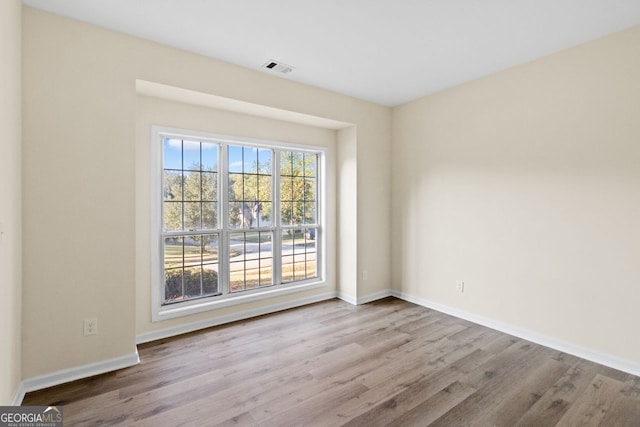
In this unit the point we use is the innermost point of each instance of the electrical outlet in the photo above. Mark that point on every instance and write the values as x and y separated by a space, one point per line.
460 286
364 275
90 326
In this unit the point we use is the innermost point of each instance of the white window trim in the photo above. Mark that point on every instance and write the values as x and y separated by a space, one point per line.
161 312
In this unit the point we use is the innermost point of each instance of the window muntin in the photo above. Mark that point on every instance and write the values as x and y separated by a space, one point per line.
268 234
251 260
299 254
298 187
190 185
298 208
250 187
190 205
190 267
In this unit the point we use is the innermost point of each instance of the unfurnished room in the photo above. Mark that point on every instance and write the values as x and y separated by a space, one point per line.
320 213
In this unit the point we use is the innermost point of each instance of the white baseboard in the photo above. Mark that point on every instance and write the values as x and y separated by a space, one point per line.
242 315
363 300
76 373
547 341
347 298
19 397
374 297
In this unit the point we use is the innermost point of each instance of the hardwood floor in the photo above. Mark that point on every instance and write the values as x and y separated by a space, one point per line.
389 362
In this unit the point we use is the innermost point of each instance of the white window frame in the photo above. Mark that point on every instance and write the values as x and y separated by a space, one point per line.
161 312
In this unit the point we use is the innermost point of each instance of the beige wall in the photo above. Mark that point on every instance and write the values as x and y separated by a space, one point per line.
80 178
78 196
10 199
153 111
373 205
348 213
526 186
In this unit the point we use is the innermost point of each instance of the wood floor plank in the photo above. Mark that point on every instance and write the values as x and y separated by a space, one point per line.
334 373
624 412
126 410
234 396
388 362
422 386
512 403
311 412
407 357
436 406
492 380
386 383
592 405
556 401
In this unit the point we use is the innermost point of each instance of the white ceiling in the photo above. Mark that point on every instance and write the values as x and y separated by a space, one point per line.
385 51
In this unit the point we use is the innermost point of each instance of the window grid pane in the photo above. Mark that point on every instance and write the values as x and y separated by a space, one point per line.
191 267
298 188
251 256
299 253
249 182
189 185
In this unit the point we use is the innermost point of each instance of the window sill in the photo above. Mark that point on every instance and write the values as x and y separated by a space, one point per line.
198 306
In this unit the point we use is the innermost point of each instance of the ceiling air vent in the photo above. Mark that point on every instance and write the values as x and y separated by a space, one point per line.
278 66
